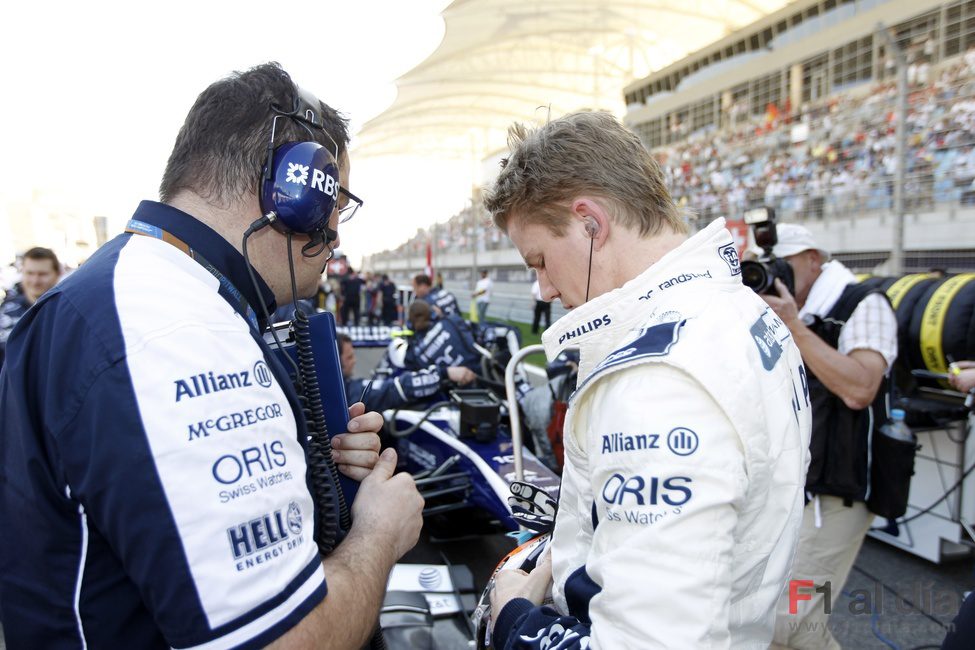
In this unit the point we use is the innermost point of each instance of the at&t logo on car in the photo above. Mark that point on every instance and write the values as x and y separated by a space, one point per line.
637 490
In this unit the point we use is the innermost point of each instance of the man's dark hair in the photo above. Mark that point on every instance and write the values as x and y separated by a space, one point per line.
343 339
222 146
39 253
419 314
385 277
422 278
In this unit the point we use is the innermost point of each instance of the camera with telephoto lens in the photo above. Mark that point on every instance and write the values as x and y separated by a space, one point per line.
759 275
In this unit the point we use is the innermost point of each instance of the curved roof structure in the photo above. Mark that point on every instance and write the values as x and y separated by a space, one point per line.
502 61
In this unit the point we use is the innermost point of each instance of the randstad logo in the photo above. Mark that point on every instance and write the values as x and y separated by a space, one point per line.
682 278
591 326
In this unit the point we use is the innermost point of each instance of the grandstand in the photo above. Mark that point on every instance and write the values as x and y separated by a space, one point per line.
795 111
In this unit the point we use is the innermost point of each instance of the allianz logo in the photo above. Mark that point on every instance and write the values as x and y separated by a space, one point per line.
206 383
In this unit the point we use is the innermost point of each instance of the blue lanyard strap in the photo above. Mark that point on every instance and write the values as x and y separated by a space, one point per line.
227 288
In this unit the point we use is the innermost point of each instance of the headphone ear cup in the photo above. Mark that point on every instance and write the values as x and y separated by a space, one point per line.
302 187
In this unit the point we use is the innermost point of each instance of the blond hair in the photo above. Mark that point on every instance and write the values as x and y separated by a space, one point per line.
582 154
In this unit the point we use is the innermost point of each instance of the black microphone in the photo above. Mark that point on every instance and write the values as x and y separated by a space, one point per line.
330 235
319 241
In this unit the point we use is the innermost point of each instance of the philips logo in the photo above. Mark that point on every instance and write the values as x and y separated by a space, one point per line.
638 491
266 537
585 329
682 441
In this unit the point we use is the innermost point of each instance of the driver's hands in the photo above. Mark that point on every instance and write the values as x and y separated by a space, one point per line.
460 375
356 453
515 583
388 508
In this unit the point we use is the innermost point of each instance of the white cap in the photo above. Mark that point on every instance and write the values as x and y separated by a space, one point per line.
794 239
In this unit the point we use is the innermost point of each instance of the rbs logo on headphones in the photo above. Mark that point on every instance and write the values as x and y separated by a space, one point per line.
302 173
298 174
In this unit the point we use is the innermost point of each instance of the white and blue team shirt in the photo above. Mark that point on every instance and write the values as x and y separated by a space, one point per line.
443 300
153 487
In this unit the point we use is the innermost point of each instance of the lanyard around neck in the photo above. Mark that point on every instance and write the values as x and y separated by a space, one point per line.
227 288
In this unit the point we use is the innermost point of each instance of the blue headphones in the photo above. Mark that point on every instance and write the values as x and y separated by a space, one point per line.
300 183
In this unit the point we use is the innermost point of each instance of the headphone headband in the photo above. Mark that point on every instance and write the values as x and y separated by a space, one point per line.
300 183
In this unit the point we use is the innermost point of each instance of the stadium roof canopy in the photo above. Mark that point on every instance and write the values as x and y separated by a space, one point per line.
502 61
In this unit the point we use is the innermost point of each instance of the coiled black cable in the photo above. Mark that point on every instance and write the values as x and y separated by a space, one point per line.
328 496
329 499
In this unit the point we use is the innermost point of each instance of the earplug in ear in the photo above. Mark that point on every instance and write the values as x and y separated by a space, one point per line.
592 227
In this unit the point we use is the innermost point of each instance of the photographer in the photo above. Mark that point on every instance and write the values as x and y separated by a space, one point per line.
686 442
848 340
